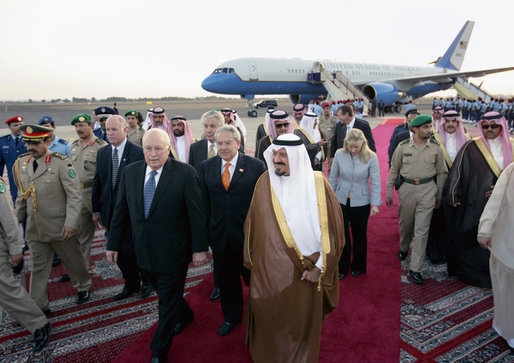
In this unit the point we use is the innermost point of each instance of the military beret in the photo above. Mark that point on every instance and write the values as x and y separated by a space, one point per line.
82 117
421 120
45 120
14 119
104 112
411 111
35 133
131 113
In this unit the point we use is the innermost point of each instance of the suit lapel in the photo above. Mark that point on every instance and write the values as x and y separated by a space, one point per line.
139 184
204 153
123 163
239 169
41 167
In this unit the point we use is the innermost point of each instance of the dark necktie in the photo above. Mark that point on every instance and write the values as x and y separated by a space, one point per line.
16 140
115 166
148 192
34 165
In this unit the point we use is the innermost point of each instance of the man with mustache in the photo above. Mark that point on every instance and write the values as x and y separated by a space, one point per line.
470 182
49 196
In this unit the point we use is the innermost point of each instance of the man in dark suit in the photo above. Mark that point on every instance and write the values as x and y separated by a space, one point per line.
203 150
163 200
402 131
347 121
227 182
206 148
110 162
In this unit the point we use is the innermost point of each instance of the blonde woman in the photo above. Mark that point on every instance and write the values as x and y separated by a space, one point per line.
353 167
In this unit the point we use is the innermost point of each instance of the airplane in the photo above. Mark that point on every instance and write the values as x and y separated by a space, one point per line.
392 84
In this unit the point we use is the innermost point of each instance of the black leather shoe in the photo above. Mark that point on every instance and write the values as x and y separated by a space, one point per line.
215 294
341 276
83 296
146 290
123 294
416 277
402 255
182 325
56 261
355 273
64 278
225 328
41 338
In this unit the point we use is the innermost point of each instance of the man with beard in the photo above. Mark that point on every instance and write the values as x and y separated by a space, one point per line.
415 163
472 177
293 240
278 124
158 120
437 114
181 138
401 132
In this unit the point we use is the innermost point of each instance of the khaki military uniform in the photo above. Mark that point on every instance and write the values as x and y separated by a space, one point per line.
83 159
327 127
136 136
418 193
13 296
50 198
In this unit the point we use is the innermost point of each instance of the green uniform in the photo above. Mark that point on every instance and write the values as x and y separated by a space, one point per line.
418 193
50 198
136 136
83 158
13 296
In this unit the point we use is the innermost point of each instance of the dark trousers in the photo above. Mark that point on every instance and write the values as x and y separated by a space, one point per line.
172 308
229 268
357 219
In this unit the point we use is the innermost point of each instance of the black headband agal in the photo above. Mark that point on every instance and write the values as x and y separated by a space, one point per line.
296 142
492 117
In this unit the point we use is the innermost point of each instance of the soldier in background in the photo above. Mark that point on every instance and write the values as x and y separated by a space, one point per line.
135 132
83 158
50 199
11 146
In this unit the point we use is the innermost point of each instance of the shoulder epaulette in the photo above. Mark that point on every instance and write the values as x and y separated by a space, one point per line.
434 141
59 155
62 141
406 141
24 154
100 141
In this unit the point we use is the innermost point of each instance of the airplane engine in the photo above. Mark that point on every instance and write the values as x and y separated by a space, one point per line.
382 91
305 98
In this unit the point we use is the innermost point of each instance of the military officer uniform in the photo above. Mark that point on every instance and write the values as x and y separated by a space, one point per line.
83 158
49 195
10 148
136 136
416 167
13 296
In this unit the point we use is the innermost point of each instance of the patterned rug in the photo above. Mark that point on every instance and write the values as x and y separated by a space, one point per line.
446 320
96 331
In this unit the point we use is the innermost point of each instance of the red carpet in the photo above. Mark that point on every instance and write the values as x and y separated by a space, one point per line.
364 327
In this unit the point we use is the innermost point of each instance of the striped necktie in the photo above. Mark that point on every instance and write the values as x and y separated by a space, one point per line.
210 154
148 192
115 166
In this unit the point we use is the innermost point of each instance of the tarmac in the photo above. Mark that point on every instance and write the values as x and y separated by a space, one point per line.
192 110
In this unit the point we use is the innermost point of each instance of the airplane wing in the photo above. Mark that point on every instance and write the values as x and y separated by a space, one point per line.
446 76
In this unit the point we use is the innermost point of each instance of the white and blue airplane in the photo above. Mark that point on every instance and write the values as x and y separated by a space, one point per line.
390 83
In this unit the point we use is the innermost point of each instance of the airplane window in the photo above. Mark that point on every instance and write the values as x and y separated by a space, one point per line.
225 70
231 70
217 71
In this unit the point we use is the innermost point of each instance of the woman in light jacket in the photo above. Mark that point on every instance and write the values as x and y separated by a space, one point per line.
353 166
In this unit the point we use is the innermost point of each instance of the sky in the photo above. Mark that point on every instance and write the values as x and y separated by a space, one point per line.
63 49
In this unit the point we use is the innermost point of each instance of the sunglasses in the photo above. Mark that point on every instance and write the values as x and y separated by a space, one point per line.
278 126
492 126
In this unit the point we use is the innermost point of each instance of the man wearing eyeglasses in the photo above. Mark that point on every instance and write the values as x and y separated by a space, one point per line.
163 200
471 180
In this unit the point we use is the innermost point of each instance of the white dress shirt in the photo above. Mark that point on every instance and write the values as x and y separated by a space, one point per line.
497 150
451 145
181 148
156 177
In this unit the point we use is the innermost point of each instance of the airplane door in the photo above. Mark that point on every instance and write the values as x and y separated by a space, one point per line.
253 71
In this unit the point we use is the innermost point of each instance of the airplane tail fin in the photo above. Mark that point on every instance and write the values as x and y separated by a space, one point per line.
454 56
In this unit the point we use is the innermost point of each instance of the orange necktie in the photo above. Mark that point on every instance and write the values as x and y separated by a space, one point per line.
225 177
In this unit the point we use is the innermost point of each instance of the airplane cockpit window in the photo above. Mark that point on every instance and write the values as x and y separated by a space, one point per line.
223 70
231 70
218 70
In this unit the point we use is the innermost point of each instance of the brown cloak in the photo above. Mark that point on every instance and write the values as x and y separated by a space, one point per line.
284 314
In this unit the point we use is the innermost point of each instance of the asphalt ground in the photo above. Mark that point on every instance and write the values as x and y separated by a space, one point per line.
192 110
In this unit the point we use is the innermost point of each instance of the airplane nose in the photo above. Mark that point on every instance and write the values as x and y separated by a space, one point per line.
208 84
